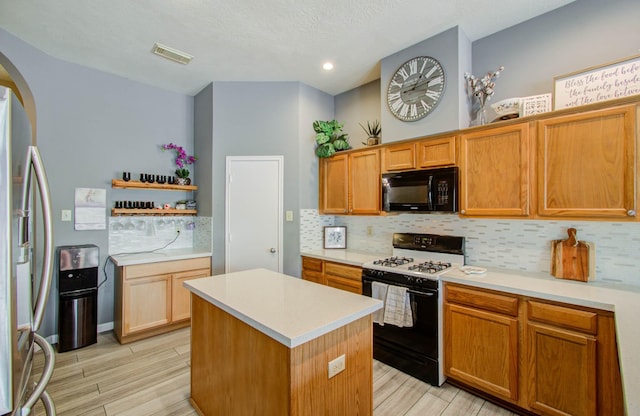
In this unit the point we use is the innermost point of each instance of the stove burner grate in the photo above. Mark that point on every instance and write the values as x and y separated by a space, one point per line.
430 267
394 261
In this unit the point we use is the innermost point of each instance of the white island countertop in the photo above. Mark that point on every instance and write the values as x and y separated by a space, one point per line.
129 259
623 300
290 310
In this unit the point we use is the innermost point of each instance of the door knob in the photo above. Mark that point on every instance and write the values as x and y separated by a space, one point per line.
273 250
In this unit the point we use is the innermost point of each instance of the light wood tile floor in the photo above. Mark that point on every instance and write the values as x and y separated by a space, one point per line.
151 377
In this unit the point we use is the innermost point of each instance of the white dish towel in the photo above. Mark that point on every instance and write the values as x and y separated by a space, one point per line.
397 307
379 291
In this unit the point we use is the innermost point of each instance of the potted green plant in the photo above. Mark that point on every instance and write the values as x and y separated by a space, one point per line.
373 131
329 138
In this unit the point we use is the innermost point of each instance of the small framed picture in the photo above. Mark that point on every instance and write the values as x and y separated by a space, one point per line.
335 237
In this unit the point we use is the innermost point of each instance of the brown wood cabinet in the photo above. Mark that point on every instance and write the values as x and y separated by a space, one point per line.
350 183
587 164
495 172
313 270
562 362
338 275
546 357
150 298
481 339
399 157
437 152
334 184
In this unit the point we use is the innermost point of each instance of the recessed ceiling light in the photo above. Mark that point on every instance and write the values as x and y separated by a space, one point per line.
171 54
327 66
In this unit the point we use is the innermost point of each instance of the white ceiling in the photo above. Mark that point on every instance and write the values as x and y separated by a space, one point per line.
250 40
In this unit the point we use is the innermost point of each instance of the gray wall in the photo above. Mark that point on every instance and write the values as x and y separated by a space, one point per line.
314 105
358 106
445 117
91 126
256 118
574 37
203 145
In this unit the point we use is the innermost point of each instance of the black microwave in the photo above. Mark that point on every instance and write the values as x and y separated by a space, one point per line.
430 190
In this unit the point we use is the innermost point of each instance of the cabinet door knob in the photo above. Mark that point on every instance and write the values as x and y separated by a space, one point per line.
273 250
463 212
631 213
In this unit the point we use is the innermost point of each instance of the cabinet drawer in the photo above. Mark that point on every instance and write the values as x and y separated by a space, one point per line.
311 276
152 269
342 270
570 318
344 284
311 264
489 301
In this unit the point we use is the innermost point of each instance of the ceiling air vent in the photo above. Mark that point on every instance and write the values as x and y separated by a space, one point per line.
172 54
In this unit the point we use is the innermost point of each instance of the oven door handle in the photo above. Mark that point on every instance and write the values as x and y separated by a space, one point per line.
421 293
365 280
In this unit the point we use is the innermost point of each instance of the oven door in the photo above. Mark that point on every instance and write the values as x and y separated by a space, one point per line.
413 350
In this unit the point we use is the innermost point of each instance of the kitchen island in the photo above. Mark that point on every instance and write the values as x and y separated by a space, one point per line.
266 343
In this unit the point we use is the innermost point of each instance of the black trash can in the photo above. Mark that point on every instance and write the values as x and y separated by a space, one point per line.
78 292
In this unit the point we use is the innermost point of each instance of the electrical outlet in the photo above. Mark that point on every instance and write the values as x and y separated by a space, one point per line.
289 216
369 230
65 215
336 366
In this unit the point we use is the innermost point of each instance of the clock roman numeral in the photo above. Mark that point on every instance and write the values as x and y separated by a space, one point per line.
436 81
395 106
403 73
414 110
394 83
431 71
405 110
413 67
425 105
394 96
432 94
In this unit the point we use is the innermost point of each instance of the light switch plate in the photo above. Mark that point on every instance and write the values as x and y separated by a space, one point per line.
336 366
289 216
65 215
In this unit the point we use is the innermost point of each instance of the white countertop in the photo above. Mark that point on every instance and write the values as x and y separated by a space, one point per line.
125 259
354 258
623 300
290 310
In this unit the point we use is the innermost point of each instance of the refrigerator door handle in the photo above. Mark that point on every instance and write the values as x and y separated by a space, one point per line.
39 390
47 266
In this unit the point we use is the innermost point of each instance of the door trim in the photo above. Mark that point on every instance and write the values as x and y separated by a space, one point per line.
229 160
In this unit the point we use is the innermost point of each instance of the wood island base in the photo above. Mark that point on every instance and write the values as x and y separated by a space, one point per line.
238 370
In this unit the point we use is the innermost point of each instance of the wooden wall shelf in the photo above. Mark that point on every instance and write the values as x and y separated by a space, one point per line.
117 183
115 212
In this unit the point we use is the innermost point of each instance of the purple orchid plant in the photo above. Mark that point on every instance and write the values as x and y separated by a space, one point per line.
182 159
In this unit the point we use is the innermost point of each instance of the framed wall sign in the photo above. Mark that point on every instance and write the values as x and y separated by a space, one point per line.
600 83
335 237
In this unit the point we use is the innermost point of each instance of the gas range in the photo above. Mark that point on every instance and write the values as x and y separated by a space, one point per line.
425 256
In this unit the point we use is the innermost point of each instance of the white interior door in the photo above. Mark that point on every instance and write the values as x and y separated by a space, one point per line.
253 215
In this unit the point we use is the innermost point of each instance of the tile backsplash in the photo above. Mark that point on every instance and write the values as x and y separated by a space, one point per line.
510 244
133 234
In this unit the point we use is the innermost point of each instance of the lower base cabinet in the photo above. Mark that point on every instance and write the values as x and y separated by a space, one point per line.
338 275
545 357
150 298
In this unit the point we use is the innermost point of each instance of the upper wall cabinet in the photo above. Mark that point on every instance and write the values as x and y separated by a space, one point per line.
587 164
399 157
364 182
437 152
494 172
350 183
334 184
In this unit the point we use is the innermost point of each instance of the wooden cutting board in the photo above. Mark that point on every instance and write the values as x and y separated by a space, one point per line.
573 259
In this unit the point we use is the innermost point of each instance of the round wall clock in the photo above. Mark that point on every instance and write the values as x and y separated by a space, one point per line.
415 88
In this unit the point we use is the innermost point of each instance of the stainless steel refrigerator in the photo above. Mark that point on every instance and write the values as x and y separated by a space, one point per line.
23 291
